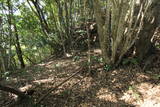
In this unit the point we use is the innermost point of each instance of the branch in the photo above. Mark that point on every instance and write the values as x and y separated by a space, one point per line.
12 90
53 89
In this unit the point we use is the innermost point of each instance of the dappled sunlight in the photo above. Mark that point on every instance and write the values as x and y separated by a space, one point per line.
141 77
149 103
26 87
86 84
131 96
118 86
150 93
105 94
44 80
143 95
122 86
127 97
79 53
42 64
97 51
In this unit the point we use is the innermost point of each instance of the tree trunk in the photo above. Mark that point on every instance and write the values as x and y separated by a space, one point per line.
18 48
10 33
102 31
17 43
2 62
144 45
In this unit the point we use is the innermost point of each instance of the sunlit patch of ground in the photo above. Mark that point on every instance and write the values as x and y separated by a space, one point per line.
105 94
150 94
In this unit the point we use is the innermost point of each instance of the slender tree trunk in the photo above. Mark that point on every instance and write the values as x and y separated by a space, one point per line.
62 25
10 32
71 23
41 17
18 48
1 51
17 43
2 59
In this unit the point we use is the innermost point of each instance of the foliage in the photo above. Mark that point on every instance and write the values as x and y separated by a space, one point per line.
43 29
127 61
32 30
107 67
76 58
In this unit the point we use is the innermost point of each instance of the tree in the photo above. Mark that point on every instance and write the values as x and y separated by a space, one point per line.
2 62
17 43
144 44
120 26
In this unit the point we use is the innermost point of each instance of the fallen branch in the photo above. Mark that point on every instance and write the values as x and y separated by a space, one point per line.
53 89
12 90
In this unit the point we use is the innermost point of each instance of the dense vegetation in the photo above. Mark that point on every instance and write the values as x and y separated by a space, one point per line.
35 31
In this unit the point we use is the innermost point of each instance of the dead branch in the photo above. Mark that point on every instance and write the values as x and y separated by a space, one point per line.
53 89
12 90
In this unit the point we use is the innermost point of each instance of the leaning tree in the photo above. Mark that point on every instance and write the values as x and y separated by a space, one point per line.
124 24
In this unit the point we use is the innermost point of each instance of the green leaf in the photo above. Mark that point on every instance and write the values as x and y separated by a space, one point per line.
107 67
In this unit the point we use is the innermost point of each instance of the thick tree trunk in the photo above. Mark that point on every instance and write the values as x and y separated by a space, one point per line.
151 22
102 24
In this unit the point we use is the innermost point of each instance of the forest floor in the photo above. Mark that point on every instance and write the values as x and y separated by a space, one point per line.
126 86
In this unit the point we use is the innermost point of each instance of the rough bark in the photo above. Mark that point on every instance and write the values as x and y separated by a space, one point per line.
152 20
121 27
102 31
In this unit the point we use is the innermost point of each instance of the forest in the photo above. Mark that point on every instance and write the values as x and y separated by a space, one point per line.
79 53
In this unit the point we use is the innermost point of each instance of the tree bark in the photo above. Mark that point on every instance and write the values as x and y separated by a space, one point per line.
102 31
144 45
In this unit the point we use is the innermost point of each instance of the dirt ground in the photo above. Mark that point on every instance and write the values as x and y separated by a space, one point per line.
126 86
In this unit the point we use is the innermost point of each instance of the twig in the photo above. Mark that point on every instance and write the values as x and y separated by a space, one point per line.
53 89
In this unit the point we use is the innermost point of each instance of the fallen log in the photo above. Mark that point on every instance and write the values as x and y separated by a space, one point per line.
13 91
